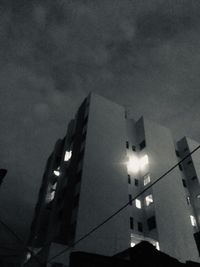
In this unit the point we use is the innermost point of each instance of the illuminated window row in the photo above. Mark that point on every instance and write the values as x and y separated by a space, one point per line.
148 200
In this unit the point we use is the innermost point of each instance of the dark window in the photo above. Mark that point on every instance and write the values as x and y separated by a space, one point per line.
180 167
136 182
127 144
129 179
130 199
85 120
131 223
177 153
140 227
185 149
133 148
142 145
189 162
194 178
197 240
151 222
184 183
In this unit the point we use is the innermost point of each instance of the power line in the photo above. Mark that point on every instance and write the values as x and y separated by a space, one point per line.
123 207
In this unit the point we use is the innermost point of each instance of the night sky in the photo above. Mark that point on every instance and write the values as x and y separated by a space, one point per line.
144 54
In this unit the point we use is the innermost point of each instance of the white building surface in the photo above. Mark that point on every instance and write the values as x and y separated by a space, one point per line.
105 160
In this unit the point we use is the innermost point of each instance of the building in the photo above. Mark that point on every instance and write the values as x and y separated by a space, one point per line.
106 159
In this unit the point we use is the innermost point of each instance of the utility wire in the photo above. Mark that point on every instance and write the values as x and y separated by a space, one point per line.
123 207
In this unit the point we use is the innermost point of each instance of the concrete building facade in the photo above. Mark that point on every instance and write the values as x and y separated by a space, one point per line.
104 161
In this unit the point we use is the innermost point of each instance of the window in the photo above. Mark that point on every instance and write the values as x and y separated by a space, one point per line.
129 179
198 196
138 204
132 244
142 144
193 220
180 167
133 148
151 223
188 200
136 182
68 155
148 200
140 227
130 199
127 144
177 153
189 162
131 223
184 183
147 179
56 173
194 178
185 149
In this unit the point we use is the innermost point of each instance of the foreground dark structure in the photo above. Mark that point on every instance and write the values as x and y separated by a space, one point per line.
139 256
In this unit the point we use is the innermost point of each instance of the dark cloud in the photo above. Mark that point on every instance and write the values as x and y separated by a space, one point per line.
142 54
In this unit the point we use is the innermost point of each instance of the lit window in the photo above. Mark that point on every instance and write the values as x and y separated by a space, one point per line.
198 196
138 204
157 245
149 200
132 244
56 172
193 220
133 165
144 161
52 195
28 256
68 155
147 179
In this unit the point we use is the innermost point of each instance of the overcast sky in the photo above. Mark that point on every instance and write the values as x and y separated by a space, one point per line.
143 54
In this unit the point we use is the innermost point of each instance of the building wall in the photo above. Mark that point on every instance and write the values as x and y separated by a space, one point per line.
172 214
104 185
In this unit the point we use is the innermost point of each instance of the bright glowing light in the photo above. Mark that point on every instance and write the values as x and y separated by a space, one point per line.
68 155
133 165
132 244
147 179
143 162
148 200
56 172
193 220
138 204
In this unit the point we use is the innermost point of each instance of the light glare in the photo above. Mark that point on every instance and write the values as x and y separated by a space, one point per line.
134 164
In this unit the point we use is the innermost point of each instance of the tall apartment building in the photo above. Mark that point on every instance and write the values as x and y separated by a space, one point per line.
105 159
